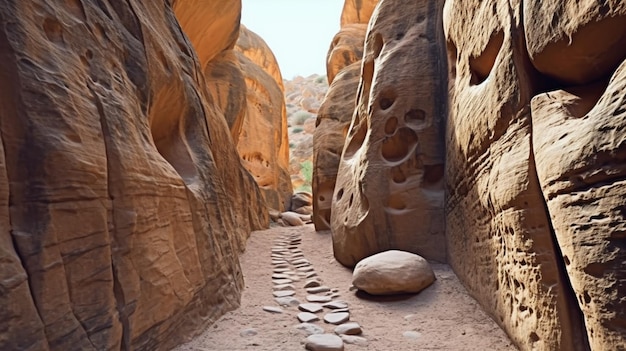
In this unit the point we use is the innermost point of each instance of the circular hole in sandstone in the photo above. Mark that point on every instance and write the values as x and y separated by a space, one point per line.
322 198
385 103
356 140
397 147
391 125
415 117
481 65
397 175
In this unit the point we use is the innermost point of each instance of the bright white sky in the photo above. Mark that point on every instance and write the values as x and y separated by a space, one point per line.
299 32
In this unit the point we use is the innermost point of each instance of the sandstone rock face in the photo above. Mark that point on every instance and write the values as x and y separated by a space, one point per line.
579 142
128 202
392 272
345 49
263 142
332 123
389 190
357 11
499 236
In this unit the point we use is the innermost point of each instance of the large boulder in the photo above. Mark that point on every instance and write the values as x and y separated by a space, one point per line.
128 204
332 123
389 191
357 11
392 272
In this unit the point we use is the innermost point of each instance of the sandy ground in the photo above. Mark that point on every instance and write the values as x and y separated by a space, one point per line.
442 317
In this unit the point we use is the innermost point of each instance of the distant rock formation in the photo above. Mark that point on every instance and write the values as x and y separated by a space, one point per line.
123 203
263 142
357 11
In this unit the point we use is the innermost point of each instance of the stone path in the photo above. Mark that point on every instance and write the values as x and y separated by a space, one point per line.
291 270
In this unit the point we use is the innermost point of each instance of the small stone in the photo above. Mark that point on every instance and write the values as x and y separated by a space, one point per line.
280 276
305 269
339 310
309 329
318 298
334 290
412 334
281 281
311 275
335 295
324 342
282 270
307 317
312 283
310 307
354 340
284 293
248 332
292 218
272 309
301 261
284 287
351 328
279 262
337 318
336 305
317 289
287 301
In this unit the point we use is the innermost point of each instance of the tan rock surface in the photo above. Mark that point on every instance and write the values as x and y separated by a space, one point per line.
389 191
127 196
498 232
256 49
579 139
357 11
345 49
332 123
263 144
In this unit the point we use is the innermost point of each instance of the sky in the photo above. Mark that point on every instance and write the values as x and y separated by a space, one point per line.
299 32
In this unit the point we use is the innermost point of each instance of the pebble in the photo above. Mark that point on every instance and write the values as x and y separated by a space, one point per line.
248 332
339 310
309 329
280 276
279 262
324 342
335 295
287 301
272 309
317 289
354 340
336 305
301 261
281 281
282 270
351 328
312 283
284 287
318 298
411 334
306 317
283 293
310 307
305 269
337 318
311 275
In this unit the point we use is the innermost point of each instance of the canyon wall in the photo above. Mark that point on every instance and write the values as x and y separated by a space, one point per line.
124 204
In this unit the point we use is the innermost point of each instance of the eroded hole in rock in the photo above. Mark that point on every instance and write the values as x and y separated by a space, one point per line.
377 45
399 146
351 200
391 125
339 194
415 118
53 30
396 202
397 175
433 173
385 103
481 65
356 141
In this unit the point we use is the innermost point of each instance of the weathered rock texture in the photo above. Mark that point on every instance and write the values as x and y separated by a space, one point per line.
357 11
345 49
123 204
579 144
506 160
332 123
389 191
263 142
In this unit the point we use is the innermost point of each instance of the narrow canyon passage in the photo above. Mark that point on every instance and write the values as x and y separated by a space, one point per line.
442 317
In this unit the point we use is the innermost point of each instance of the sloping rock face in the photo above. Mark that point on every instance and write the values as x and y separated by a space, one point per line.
357 11
331 127
263 142
345 49
579 142
389 191
123 204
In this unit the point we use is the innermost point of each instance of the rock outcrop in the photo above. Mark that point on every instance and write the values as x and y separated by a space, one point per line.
263 143
345 49
389 191
332 123
123 203
357 11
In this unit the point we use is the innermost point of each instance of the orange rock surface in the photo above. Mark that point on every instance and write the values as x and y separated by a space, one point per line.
123 205
345 49
357 11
